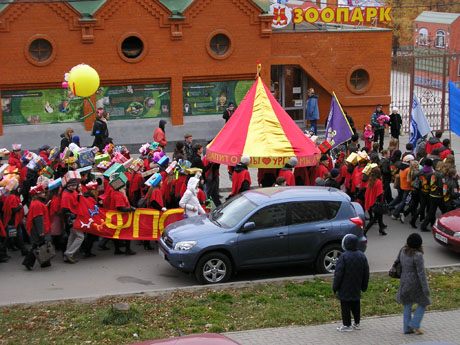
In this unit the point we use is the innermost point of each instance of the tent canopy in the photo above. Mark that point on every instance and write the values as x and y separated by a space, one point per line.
261 129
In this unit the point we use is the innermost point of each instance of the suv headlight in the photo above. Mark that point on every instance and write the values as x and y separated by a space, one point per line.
184 245
457 234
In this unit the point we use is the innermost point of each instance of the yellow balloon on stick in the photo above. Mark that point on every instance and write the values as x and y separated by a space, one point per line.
83 80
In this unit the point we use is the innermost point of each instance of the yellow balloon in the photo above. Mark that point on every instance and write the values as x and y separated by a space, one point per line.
83 80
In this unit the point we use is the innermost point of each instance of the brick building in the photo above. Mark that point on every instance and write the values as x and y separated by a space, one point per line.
437 33
183 61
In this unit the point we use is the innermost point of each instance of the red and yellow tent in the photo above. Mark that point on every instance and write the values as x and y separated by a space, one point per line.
262 130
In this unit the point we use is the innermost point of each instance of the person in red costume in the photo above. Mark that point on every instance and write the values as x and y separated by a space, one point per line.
15 156
357 176
322 166
119 202
241 179
135 182
69 206
44 153
286 171
13 215
38 224
91 196
154 198
374 193
434 142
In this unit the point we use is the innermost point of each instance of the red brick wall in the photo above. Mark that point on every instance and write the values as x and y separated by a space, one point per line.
453 39
326 57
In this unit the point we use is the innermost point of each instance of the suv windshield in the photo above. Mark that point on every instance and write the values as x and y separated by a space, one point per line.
232 211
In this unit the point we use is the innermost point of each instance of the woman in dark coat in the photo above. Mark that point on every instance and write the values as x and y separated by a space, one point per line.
413 287
100 130
66 139
395 123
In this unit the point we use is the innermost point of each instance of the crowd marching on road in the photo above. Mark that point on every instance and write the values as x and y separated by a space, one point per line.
40 192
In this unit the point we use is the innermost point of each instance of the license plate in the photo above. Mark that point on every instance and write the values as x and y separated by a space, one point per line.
162 255
440 237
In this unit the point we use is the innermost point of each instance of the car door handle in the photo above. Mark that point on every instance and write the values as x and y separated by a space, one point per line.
281 234
323 230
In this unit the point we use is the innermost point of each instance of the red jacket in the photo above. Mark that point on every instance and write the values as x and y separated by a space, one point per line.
44 155
69 200
160 137
372 194
320 171
15 160
288 175
38 208
12 201
118 199
238 178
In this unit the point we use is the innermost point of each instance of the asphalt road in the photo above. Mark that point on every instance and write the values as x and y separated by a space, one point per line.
107 274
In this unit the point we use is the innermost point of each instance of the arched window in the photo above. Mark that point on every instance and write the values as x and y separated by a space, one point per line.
423 37
440 39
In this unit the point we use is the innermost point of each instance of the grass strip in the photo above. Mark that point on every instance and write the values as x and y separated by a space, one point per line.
208 310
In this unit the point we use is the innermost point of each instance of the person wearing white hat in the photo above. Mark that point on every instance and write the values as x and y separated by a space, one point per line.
395 123
286 171
241 179
15 156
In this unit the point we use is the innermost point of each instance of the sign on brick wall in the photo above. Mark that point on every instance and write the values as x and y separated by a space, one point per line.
284 15
134 101
39 106
207 98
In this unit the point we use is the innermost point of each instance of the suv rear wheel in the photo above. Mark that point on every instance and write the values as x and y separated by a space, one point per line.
327 258
213 268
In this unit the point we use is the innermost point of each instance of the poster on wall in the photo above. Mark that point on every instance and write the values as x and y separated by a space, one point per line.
134 101
210 98
39 106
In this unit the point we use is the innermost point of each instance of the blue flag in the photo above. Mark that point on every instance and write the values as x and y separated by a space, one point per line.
419 125
454 108
338 129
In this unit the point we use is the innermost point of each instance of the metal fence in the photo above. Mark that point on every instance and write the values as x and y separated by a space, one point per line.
425 73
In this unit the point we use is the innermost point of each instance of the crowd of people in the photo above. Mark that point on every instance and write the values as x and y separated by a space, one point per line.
40 192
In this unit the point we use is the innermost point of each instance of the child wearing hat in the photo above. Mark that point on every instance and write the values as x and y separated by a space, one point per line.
287 173
119 202
15 156
351 276
69 207
37 225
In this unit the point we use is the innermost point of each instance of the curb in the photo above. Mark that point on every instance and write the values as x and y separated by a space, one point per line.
222 286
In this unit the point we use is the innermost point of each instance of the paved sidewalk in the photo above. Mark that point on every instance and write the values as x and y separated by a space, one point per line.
439 327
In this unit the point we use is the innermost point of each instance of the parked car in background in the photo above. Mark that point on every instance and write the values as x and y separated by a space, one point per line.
262 228
446 230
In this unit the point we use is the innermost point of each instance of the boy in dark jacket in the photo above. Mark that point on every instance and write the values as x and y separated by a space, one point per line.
351 276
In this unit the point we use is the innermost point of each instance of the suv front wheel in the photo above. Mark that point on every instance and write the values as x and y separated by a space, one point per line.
327 258
213 268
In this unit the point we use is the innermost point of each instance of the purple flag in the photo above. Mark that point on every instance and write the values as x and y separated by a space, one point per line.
338 129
